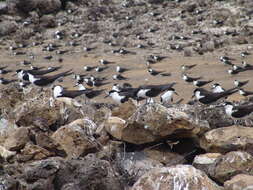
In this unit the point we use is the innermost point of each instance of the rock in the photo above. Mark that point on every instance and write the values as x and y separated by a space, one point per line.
164 156
39 115
8 183
33 152
43 6
76 138
47 21
17 140
6 154
7 27
231 164
3 8
154 122
175 177
227 139
6 128
136 164
239 182
49 144
87 173
205 161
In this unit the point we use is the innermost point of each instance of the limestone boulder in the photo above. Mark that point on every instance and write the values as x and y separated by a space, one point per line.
227 139
239 182
175 177
153 122
231 164
76 138
17 140
205 161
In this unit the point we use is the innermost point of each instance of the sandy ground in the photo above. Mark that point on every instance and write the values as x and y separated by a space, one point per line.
208 66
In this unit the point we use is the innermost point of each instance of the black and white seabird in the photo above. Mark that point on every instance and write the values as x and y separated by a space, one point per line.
87 68
244 54
188 79
119 97
118 77
187 67
238 83
120 69
154 72
167 97
41 80
232 71
103 62
150 91
245 65
207 97
238 112
245 93
216 88
200 83
3 71
59 91
5 81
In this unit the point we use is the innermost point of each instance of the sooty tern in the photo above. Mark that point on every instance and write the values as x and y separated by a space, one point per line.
245 65
187 67
150 91
216 88
59 91
188 79
200 83
207 97
167 97
120 69
118 77
238 112
238 83
41 80
245 93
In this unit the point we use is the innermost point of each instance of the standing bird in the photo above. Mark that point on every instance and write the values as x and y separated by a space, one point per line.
167 97
245 93
216 88
200 83
187 67
238 83
188 79
150 91
207 97
238 112
59 91
46 80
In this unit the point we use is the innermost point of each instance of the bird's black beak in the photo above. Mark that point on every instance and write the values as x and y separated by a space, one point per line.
176 93
193 96
14 74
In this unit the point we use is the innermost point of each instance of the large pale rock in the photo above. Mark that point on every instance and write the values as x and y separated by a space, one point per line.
76 138
6 128
17 140
177 177
231 164
205 161
154 122
239 182
6 154
228 139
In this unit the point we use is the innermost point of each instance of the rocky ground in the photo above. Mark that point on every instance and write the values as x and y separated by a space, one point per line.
67 143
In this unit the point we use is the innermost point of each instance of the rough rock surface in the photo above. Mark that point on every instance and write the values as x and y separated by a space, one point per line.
205 161
153 122
17 140
239 182
175 177
228 139
231 164
76 138
43 6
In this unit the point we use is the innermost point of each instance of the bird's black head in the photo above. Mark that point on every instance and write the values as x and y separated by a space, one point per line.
18 71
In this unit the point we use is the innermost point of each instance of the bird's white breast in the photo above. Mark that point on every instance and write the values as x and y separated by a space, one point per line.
167 96
142 93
